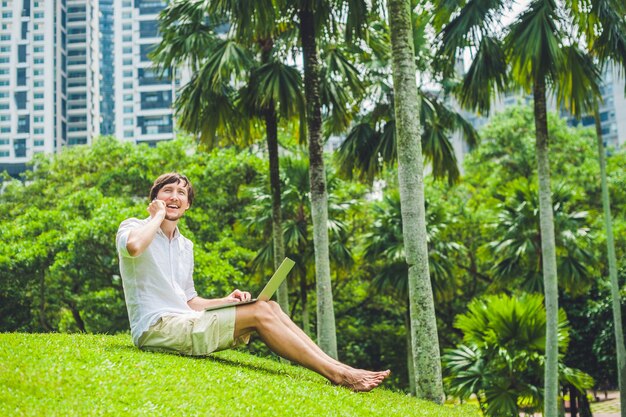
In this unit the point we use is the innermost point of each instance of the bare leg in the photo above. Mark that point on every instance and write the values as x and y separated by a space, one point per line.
302 335
288 343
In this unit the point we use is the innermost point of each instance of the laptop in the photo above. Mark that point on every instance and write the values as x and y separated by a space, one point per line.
269 289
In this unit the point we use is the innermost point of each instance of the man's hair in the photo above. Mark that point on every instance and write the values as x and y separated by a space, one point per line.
171 178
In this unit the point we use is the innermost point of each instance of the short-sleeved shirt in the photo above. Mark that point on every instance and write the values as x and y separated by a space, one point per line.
159 281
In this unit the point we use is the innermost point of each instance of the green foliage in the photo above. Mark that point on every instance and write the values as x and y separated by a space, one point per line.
74 375
501 359
58 263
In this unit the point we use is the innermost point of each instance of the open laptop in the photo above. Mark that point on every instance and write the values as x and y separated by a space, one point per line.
269 289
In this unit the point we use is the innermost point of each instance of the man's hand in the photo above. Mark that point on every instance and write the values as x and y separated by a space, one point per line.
157 209
238 296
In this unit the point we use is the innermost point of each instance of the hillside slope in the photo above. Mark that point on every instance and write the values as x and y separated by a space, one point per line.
84 375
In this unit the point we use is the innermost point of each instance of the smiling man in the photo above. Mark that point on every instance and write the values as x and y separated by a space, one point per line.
166 313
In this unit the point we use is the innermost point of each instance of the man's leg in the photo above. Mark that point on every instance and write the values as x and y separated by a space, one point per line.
284 341
301 334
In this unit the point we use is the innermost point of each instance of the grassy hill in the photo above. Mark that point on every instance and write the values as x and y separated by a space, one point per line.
83 375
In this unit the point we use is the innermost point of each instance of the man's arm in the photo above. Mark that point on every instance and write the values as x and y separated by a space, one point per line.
199 303
140 238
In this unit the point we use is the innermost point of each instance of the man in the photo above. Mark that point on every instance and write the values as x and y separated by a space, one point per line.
166 313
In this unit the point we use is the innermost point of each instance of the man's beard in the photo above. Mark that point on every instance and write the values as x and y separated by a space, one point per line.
173 218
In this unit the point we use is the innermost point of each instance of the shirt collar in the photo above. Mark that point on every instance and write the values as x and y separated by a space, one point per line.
160 232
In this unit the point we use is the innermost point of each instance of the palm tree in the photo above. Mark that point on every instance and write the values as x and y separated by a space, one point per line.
609 47
426 355
231 87
537 54
500 359
385 242
373 140
314 18
517 250
297 226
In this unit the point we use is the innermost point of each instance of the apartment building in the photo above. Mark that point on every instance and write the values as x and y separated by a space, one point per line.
143 99
32 79
71 70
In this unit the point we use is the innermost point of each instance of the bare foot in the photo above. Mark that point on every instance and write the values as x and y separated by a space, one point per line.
362 381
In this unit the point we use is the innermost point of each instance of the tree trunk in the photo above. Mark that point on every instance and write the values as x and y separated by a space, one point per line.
304 300
573 398
326 332
546 221
425 346
615 290
271 127
409 352
42 302
77 318
585 408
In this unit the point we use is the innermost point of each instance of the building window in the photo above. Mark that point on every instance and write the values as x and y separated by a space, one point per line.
155 124
20 100
149 29
149 76
39 143
21 53
19 147
144 50
156 100
23 124
21 76
128 133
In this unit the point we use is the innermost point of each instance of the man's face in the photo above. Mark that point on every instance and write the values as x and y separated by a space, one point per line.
176 198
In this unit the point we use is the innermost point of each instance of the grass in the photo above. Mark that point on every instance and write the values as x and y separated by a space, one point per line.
84 375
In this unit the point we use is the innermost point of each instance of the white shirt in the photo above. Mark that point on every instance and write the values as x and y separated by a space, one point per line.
157 282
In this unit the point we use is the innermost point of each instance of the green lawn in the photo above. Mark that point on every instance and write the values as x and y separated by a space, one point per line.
81 375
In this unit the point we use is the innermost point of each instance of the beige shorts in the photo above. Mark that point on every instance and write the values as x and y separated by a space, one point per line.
190 334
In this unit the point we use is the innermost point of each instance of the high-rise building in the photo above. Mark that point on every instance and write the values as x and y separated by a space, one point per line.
83 71
143 99
71 70
107 83
612 109
32 80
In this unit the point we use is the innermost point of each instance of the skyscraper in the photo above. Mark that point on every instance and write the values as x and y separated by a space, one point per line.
32 80
143 100
83 71
71 70
107 70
